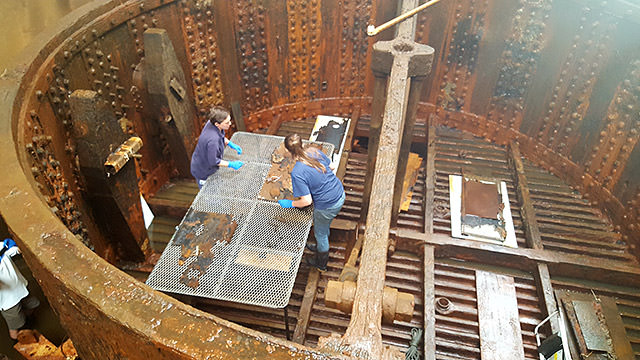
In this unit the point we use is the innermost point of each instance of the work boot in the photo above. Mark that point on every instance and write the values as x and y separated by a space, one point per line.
311 247
319 261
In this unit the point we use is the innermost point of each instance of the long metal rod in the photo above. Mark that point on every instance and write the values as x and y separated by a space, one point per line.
372 30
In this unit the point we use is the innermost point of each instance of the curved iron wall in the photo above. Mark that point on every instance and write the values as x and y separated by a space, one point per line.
566 88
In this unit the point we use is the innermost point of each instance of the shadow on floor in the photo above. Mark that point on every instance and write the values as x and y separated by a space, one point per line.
43 319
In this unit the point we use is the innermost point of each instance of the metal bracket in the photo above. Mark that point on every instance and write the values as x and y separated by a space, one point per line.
177 89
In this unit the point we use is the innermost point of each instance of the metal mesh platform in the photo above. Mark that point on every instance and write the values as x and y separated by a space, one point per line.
259 265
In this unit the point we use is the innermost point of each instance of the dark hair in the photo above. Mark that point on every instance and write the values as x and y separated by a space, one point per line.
217 114
293 143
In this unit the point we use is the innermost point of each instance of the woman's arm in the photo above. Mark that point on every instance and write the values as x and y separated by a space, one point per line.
303 201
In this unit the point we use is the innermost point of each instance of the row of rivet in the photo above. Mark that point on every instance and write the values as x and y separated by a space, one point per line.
518 62
356 15
202 49
304 61
48 173
620 133
568 104
461 57
254 59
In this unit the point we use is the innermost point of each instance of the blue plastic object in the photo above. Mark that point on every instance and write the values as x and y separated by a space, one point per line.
235 147
287 204
235 165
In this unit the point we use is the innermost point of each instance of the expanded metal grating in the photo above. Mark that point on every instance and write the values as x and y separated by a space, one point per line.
259 265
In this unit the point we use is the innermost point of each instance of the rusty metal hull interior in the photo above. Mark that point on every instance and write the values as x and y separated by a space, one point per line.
543 95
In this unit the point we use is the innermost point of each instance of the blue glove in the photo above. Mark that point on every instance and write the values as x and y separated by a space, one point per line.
235 147
235 165
287 204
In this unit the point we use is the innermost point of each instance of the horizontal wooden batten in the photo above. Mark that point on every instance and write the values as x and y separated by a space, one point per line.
562 264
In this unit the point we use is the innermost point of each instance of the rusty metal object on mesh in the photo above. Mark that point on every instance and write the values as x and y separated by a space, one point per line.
396 305
277 185
198 234
122 154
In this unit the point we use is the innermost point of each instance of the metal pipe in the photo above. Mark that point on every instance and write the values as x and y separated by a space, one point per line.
372 30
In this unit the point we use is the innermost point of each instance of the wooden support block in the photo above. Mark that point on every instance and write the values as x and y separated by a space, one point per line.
498 319
395 305
304 314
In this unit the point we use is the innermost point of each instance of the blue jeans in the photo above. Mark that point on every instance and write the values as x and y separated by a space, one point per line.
322 222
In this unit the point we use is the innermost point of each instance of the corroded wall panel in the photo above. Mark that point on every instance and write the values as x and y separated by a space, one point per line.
354 45
304 44
203 52
570 95
456 70
619 133
518 62
254 60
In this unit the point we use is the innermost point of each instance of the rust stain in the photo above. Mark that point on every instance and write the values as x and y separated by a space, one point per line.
197 236
277 185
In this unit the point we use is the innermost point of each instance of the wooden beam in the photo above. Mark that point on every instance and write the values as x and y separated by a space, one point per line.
544 289
429 282
561 264
375 126
409 122
304 314
429 312
528 213
275 124
430 180
236 110
348 143
498 320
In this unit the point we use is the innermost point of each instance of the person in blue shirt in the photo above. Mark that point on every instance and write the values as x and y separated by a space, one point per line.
314 183
207 156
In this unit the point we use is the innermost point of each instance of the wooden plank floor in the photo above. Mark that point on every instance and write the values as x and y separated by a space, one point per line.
567 222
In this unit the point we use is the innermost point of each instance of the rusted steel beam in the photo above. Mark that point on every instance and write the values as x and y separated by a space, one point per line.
561 264
401 58
527 212
415 92
304 313
170 97
115 199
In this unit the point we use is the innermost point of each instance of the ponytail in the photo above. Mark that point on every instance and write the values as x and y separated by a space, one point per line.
293 143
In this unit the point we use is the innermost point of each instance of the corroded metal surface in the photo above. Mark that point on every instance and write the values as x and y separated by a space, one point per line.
277 184
592 146
217 228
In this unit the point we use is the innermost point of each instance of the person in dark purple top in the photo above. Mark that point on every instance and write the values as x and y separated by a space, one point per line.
314 182
207 157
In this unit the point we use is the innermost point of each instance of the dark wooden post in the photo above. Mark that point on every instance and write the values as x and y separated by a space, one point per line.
115 200
173 102
415 92
377 111
401 58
